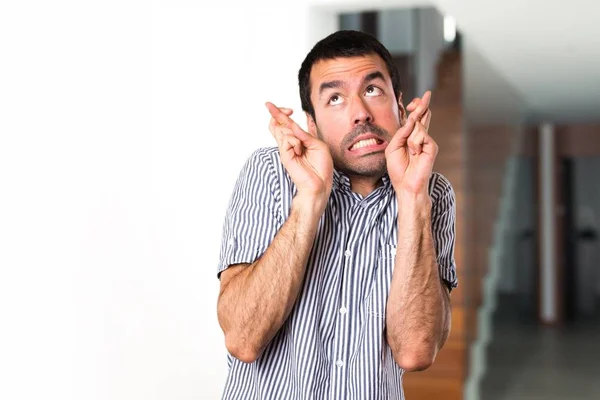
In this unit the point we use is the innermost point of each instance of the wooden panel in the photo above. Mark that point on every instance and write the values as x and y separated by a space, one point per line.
444 379
430 389
579 140
458 323
449 366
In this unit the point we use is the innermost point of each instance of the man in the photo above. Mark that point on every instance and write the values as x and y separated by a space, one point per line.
337 259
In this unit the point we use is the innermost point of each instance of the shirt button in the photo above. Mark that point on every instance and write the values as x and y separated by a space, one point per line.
343 310
339 363
348 253
393 251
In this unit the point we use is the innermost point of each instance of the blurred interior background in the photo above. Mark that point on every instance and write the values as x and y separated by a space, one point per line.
123 128
516 114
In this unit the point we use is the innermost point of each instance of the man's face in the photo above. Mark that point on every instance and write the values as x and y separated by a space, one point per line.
356 112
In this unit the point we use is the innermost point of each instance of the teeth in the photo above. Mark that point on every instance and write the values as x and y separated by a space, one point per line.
364 143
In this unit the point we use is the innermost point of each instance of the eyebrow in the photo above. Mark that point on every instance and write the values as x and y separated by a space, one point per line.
337 84
330 85
372 76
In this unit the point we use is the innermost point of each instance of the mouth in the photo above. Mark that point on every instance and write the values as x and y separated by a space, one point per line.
367 144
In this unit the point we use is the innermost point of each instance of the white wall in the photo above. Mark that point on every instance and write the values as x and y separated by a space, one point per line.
488 97
123 126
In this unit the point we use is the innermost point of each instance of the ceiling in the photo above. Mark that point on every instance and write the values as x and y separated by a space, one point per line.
548 51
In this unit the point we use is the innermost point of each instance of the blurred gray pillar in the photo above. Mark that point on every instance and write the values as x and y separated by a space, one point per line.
396 30
350 21
429 45
587 276
548 266
366 21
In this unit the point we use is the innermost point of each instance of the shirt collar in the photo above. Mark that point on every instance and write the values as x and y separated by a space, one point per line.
342 181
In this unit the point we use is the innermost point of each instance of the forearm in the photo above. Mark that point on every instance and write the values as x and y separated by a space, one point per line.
418 307
255 303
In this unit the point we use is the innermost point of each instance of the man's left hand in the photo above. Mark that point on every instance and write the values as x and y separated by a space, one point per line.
411 153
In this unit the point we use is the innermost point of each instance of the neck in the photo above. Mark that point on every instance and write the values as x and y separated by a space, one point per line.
364 185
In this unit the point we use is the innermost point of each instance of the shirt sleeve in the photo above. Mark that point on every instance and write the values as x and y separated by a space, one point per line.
252 218
443 218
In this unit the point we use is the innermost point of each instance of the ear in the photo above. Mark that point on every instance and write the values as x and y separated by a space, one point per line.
311 124
402 110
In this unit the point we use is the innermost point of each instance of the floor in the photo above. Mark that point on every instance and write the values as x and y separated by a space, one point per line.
527 361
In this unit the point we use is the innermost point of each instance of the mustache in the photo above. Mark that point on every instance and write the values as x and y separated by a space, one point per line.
361 129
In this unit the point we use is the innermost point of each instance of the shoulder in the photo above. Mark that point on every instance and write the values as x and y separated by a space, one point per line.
264 161
267 156
440 187
264 167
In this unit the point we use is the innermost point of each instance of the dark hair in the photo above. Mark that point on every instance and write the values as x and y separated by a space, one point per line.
344 43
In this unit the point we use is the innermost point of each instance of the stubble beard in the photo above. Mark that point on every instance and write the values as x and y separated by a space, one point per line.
373 166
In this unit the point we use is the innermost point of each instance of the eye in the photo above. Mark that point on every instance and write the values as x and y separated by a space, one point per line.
335 100
373 91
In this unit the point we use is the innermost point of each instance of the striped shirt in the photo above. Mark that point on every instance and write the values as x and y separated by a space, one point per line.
332 345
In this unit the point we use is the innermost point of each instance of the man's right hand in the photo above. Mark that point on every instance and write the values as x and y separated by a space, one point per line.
306 158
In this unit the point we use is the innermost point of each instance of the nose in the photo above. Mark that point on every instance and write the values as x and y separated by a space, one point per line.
360 112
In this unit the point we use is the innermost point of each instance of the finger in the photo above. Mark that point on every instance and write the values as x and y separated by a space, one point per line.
413 104
416 139
285 120
430 146
274 128
421 109
281 117
278 131
288 137
421 142
301 134
426 119
292 142
423 105
286 111
401 136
